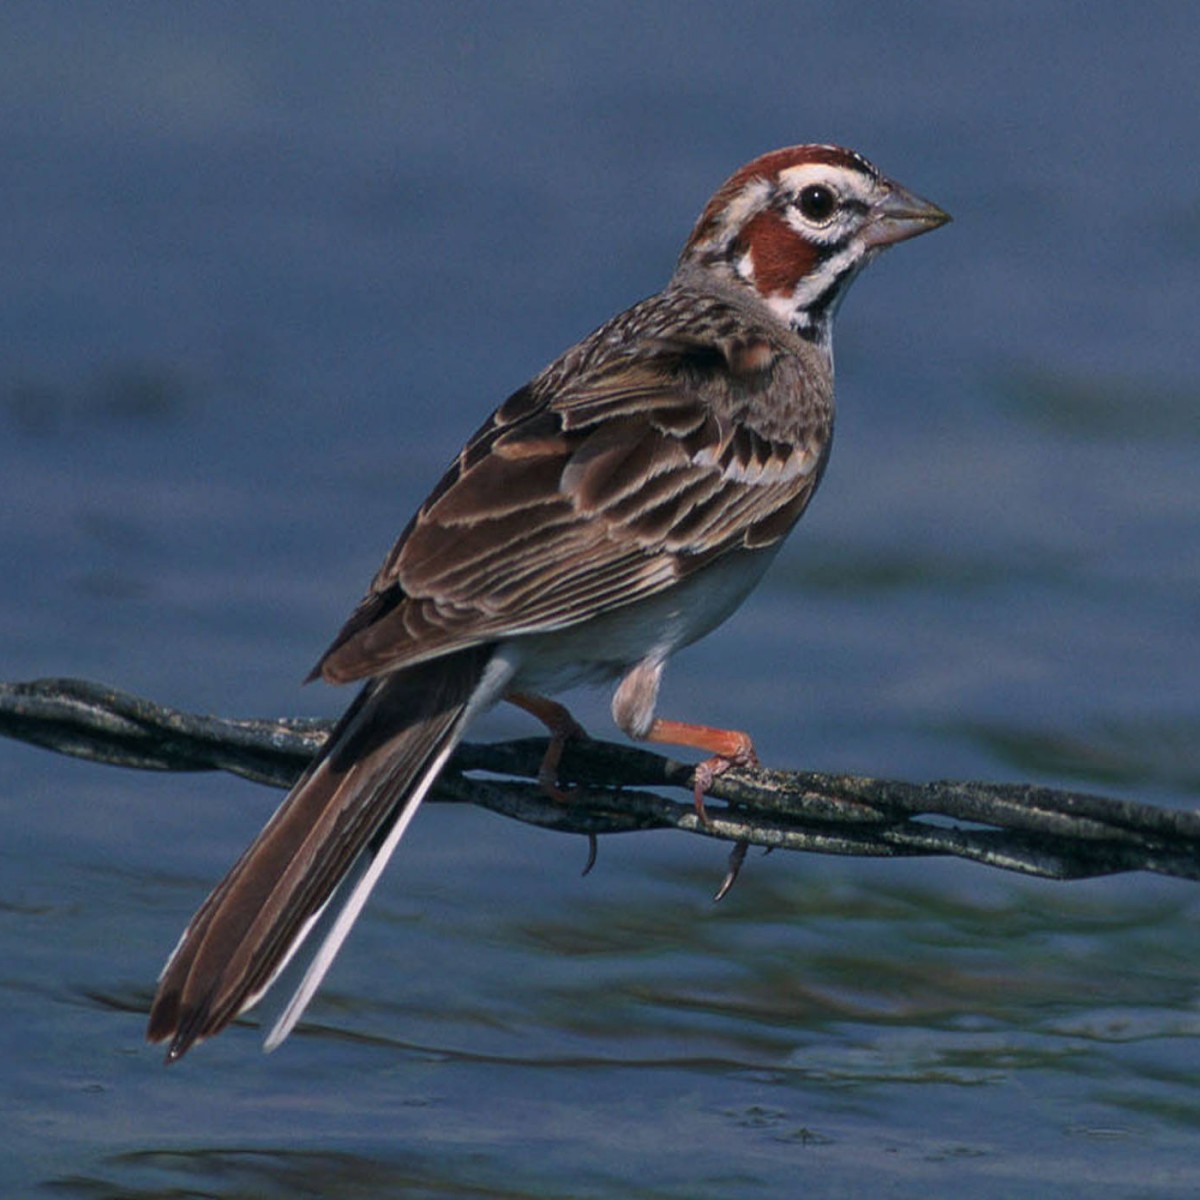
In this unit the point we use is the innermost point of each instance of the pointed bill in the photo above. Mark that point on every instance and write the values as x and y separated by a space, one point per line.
901 215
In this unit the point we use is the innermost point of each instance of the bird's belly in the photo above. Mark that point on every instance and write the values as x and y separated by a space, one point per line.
606 646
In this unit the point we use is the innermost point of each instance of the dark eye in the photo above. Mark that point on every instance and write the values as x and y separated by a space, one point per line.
817 202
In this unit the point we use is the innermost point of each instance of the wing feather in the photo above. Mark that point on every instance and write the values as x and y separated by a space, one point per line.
598 485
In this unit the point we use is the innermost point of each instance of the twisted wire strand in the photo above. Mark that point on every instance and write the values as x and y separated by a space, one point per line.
1016 827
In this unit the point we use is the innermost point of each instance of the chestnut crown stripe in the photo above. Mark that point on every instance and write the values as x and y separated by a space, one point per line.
722 210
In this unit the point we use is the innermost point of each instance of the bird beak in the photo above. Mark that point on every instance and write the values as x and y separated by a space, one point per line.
901 215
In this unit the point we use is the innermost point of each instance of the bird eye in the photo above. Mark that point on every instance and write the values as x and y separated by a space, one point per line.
817 202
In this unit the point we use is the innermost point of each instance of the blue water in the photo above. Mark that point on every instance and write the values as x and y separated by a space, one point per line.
265 266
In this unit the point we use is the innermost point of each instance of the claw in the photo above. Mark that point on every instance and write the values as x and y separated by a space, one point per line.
737 856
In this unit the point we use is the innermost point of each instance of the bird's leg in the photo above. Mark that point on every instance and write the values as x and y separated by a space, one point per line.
633 711
728 747
562 727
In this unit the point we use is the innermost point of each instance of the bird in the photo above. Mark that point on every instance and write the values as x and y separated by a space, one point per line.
616 508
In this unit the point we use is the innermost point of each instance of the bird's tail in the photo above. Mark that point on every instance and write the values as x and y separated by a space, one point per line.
307 875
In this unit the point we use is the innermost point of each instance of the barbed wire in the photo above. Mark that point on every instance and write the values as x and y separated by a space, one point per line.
1016 827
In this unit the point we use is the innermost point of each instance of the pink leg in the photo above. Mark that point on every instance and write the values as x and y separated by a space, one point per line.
562 727
728 747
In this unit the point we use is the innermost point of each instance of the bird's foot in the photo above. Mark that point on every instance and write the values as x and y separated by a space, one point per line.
738 751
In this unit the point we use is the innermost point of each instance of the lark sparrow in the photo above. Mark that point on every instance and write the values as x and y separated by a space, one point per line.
618 507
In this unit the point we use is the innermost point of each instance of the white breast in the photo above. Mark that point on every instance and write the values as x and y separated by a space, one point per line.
652 630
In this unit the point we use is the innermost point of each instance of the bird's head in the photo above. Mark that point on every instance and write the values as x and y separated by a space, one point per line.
798 224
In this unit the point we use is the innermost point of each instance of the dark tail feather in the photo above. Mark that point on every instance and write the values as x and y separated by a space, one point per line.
355 800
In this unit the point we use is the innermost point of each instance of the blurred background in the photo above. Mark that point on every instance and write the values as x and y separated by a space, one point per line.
265 266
